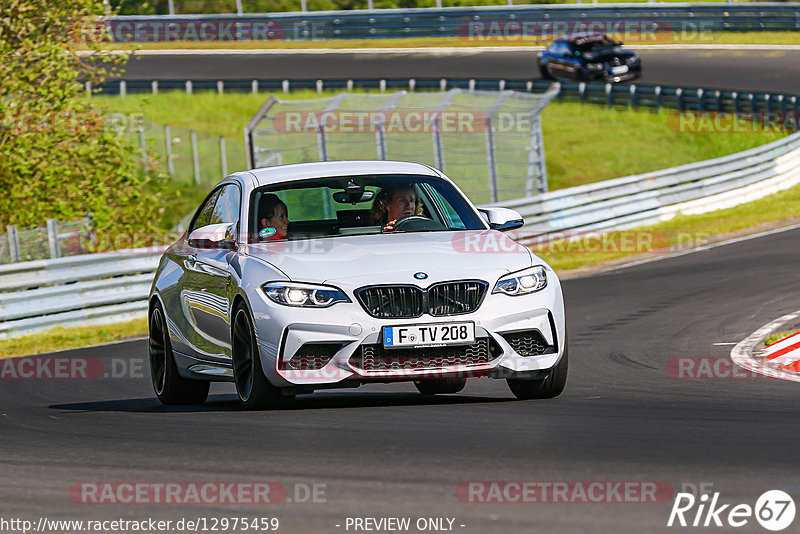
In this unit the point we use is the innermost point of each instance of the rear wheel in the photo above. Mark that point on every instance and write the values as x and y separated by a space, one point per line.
169 385
546 388
254 390
440 386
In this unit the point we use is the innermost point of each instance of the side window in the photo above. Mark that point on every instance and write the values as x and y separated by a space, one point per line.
226 209
204 215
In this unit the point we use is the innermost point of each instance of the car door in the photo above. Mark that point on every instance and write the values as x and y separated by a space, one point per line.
208 283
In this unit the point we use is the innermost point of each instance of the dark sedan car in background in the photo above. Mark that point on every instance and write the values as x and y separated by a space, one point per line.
587 58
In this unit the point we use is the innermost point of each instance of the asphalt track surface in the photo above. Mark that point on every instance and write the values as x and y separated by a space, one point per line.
384 450
745 70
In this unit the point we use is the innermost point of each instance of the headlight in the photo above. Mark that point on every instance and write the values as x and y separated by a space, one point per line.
633 60
304 295
595 66
522 282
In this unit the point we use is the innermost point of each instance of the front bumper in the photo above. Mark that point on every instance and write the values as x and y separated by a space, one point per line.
282 331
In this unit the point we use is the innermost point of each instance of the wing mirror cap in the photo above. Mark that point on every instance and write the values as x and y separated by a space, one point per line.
214 236
502 219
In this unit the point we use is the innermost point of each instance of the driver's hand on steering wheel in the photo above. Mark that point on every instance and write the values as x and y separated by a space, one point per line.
390 226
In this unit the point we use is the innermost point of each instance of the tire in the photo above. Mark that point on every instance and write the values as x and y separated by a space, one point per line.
255 392
169 385
440 386
546 388
544 72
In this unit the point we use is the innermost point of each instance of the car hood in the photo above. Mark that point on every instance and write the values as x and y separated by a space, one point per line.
603 57
351 261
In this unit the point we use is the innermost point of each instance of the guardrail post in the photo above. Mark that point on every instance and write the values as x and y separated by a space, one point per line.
796 104
188 87
154 87
609 95
382 85
223 156
123 88
319 86
52 238
679 97
220 87
753 103
88 87
720 102
701 106
582 92
471 85
529 86
239 10
195 158
254 86
13 242
303 5
168 148
285 86
782 104
350 85
768 98
736 105
501 85
634 96
171 4
658 97
412 83
443 84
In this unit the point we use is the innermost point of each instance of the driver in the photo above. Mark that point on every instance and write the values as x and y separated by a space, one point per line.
393 202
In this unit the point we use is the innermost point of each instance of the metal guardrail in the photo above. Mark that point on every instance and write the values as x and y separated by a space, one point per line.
456 21
636 96
650 198
76 291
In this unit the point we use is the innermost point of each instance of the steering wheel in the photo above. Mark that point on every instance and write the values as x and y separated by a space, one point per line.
416 223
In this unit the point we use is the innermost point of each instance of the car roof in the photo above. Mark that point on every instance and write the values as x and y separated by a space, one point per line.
300 171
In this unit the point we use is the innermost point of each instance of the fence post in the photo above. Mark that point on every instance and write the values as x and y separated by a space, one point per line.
412 83
303 5
220 87
471 85
537 169
700 104
239 10
168 147
13 242
154 87
658 97
582 92
171 4
88 86
634 96
679 96
491 154
720 102
736 106
52 238
223 156
753 103
319 86
123 88
195 158
609 95
443 84
382 85
188 87
285 86
438 149
254 86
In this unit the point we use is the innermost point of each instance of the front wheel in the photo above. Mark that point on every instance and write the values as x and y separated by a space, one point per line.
169 385
546 388
254 390
440 386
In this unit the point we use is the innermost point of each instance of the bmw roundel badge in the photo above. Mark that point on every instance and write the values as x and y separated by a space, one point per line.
420 276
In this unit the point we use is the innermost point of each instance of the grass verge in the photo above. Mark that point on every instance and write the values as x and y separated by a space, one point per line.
768 38
777 336
71 338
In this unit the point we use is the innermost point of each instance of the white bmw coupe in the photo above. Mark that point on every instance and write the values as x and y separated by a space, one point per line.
301 277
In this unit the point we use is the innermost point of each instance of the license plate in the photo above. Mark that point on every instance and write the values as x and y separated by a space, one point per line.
622 69
428 335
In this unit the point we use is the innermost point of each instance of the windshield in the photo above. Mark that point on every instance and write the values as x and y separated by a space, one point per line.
600 44
358 205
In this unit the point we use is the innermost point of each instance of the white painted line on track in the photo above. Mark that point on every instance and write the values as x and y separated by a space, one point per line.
424 50
740 354
725 343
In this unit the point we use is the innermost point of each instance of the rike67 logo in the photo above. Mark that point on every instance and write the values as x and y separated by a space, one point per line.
774 510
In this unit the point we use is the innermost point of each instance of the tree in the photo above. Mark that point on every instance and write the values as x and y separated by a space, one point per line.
58 158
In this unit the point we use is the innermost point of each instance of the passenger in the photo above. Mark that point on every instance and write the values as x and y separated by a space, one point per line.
273 216
393 202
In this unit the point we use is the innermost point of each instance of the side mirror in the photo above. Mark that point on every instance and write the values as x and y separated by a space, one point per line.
214 236
502 219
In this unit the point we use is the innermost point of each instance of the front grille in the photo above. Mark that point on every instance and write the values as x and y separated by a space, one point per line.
375 357
311 356
405 301
391 301
528 343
